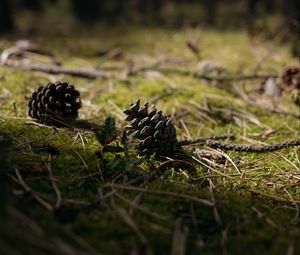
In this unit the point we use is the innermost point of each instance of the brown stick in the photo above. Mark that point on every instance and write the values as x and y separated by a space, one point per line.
52 69
203 76
94 73
253 148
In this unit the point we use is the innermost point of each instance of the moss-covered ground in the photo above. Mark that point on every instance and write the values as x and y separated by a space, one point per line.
65 198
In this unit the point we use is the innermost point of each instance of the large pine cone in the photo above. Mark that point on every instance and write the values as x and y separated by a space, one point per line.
54 103
290 79
156 133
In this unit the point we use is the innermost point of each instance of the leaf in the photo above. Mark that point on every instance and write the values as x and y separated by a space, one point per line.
108 133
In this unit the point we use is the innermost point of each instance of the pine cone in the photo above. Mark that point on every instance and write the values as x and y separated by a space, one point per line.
156 132
290 79
58 100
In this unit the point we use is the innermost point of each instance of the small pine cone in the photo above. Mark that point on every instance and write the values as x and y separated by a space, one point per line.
156 132
289 79
55 101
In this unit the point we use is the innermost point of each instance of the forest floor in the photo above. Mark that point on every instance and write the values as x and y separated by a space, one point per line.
65 198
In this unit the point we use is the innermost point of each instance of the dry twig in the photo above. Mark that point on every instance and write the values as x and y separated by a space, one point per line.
162 193
252 148
38 199
53 69
54 184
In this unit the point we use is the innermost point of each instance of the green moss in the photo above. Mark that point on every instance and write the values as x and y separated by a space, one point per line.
254 216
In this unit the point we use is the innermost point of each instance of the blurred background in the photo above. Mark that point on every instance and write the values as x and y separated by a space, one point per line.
21 15
272 18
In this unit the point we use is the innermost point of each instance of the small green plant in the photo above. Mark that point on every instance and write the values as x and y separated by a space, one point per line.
107 133
114 157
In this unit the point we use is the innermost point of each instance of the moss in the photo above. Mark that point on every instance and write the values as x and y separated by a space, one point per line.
256 211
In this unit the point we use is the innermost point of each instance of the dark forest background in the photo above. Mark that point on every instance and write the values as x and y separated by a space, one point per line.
226 13
271 19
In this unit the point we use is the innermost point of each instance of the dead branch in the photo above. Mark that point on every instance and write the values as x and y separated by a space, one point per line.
94 73
195 74
53 69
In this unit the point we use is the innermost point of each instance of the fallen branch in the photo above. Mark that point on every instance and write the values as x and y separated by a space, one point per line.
202 76
94 73
252 148
53 69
